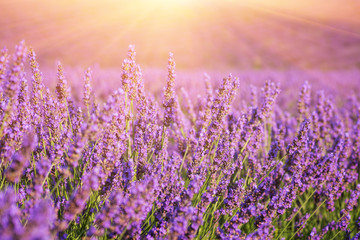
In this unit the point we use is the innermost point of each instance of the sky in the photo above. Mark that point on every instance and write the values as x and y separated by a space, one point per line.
278 34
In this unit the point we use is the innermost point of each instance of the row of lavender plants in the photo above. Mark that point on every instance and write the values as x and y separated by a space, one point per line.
133 167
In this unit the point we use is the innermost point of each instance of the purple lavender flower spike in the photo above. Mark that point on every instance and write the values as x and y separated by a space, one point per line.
10 215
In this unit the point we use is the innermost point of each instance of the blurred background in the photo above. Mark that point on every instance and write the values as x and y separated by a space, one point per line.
206 34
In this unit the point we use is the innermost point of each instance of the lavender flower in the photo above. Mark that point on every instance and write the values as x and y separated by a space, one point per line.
10 227
63 94
170 103
15 170
41 221
122 214
221 168
37 84
87 90
303 103
81 195
4 59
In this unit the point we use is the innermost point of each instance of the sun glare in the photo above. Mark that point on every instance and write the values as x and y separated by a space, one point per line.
170 2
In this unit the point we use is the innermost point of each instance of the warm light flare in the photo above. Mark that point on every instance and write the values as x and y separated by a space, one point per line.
235 33
169 2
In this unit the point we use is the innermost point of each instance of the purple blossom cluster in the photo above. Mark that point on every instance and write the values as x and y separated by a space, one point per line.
131 166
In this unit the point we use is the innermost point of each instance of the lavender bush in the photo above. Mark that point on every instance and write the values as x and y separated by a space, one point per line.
135 166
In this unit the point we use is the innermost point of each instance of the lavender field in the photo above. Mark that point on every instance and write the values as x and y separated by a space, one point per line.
139 150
